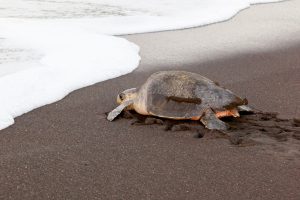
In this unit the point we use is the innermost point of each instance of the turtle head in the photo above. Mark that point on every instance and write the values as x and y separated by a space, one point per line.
126 95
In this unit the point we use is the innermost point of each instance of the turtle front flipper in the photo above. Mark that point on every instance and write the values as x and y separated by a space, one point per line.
114 113
210 121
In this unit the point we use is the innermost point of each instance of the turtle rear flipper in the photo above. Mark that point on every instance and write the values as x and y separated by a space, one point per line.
115 112
245 108
210 121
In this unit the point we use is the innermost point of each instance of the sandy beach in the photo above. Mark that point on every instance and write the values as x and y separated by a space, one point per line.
68 150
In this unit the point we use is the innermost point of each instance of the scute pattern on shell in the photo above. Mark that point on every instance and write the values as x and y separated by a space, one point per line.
182 85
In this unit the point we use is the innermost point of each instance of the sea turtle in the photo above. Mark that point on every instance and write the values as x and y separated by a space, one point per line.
182 95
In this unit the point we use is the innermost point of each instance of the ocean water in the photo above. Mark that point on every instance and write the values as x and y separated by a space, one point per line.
49 48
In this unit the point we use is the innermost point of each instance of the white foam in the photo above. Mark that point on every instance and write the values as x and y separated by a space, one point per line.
68 62
49 49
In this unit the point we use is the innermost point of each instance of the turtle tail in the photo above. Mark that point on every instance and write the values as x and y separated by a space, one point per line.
236 103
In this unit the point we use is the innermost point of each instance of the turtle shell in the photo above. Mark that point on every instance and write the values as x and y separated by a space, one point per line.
185 95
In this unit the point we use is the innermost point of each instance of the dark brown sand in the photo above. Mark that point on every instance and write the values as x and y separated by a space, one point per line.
251 128
68 150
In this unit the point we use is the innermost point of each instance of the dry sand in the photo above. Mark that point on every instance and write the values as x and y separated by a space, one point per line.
68 150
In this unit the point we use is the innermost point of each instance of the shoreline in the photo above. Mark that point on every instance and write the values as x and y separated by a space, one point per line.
17 104
278 26
68 150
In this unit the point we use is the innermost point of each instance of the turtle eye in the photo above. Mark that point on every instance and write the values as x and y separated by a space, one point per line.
122 96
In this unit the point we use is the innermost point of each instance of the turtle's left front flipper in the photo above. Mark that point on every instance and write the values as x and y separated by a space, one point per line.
210 121
114 113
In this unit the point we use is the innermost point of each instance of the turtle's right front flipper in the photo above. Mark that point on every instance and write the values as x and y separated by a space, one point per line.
114 113
210 121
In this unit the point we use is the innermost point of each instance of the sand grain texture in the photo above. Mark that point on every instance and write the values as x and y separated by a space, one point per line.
68 150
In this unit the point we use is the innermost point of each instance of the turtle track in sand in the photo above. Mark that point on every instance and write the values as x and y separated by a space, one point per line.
273 134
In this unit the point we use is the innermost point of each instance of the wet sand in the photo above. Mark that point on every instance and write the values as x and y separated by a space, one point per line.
68 150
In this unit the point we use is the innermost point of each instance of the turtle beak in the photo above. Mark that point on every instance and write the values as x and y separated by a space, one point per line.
120 98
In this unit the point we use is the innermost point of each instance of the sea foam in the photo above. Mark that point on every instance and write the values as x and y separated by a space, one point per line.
50 48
